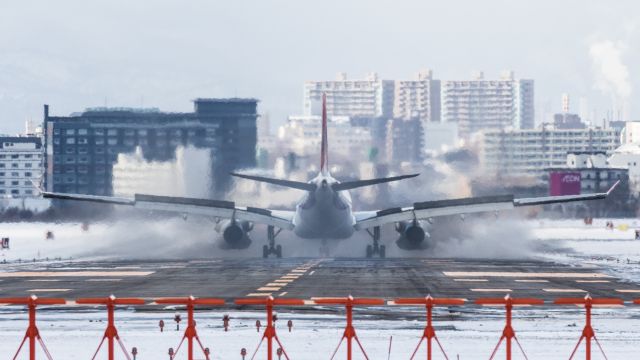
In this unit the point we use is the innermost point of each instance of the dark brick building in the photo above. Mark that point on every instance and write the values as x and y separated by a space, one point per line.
80 149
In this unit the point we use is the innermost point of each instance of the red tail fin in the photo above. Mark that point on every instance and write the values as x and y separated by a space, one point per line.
324 151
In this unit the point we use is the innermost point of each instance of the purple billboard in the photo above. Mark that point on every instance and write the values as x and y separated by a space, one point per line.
564 183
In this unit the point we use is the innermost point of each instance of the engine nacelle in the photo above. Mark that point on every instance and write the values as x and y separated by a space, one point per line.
412 235
236 234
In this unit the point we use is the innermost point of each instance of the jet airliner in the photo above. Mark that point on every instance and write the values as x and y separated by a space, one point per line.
325 211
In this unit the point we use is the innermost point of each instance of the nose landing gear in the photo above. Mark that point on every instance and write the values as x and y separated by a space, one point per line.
376 248
272 248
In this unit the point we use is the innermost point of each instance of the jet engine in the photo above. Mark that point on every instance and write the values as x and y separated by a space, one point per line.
412 235
236 234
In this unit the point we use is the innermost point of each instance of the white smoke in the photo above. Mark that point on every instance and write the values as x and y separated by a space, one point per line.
611 74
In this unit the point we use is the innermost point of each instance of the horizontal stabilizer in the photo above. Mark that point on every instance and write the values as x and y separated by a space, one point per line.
362 183
281 182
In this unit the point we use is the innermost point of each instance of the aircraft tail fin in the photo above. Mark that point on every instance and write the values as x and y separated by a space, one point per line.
362 183
281 182
324 147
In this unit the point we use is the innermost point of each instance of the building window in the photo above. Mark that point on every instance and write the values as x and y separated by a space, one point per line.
70 132
98 131
27 183
27 174
15 183
28 192
28 156
1 174
2 156
1 182
3 191
14 165
15 192
2 166
112 141
83 131
15 174
99 141
15 156
112 132
28 165
71 141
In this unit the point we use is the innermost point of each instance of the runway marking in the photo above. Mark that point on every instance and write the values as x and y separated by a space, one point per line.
44 280
592 281
564 290
524 274
311 273
627 291
48 290
283 293
491 290
94 280
278 284
259 294
268 288
471 280
128 267
531 281
73 273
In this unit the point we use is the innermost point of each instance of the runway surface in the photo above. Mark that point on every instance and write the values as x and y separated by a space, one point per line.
306 278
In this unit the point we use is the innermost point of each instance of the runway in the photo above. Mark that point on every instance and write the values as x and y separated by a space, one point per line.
307 278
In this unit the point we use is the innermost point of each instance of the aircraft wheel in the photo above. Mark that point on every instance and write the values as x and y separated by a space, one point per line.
265 251
369 251
279 251
383 251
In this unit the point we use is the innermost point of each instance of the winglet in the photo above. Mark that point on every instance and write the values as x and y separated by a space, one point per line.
613 187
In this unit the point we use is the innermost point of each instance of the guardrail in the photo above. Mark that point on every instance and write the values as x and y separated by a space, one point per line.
190 334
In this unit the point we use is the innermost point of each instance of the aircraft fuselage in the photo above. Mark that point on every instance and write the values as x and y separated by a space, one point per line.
324 213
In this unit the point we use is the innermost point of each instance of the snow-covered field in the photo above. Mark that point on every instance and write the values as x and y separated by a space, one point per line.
469 332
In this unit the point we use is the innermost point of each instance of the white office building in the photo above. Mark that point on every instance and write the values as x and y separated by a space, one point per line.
528 152
488 104
20 166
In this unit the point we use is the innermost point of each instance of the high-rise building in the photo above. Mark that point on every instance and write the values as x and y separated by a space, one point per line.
20 166
418 98
81 149
373 97
368 97
488 104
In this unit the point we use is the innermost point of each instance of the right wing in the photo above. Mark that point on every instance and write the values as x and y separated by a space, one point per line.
214 208
429 209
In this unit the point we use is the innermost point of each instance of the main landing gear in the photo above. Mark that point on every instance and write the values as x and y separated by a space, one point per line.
272 248
376 248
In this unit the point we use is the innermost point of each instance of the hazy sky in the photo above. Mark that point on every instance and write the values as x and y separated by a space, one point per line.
77 54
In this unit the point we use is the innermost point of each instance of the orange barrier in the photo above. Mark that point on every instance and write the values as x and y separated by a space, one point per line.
429 333
349 334
33 333
190 332
111 332
270 331
349 330
587 331
508 333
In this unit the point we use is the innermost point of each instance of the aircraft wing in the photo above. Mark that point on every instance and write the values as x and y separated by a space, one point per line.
214 208
429 209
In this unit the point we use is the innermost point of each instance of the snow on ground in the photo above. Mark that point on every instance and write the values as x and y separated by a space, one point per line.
469 332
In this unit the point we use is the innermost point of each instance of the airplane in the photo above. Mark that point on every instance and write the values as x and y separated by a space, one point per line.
325 211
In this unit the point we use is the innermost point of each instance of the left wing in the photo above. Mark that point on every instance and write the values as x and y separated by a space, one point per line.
428 209
214 208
